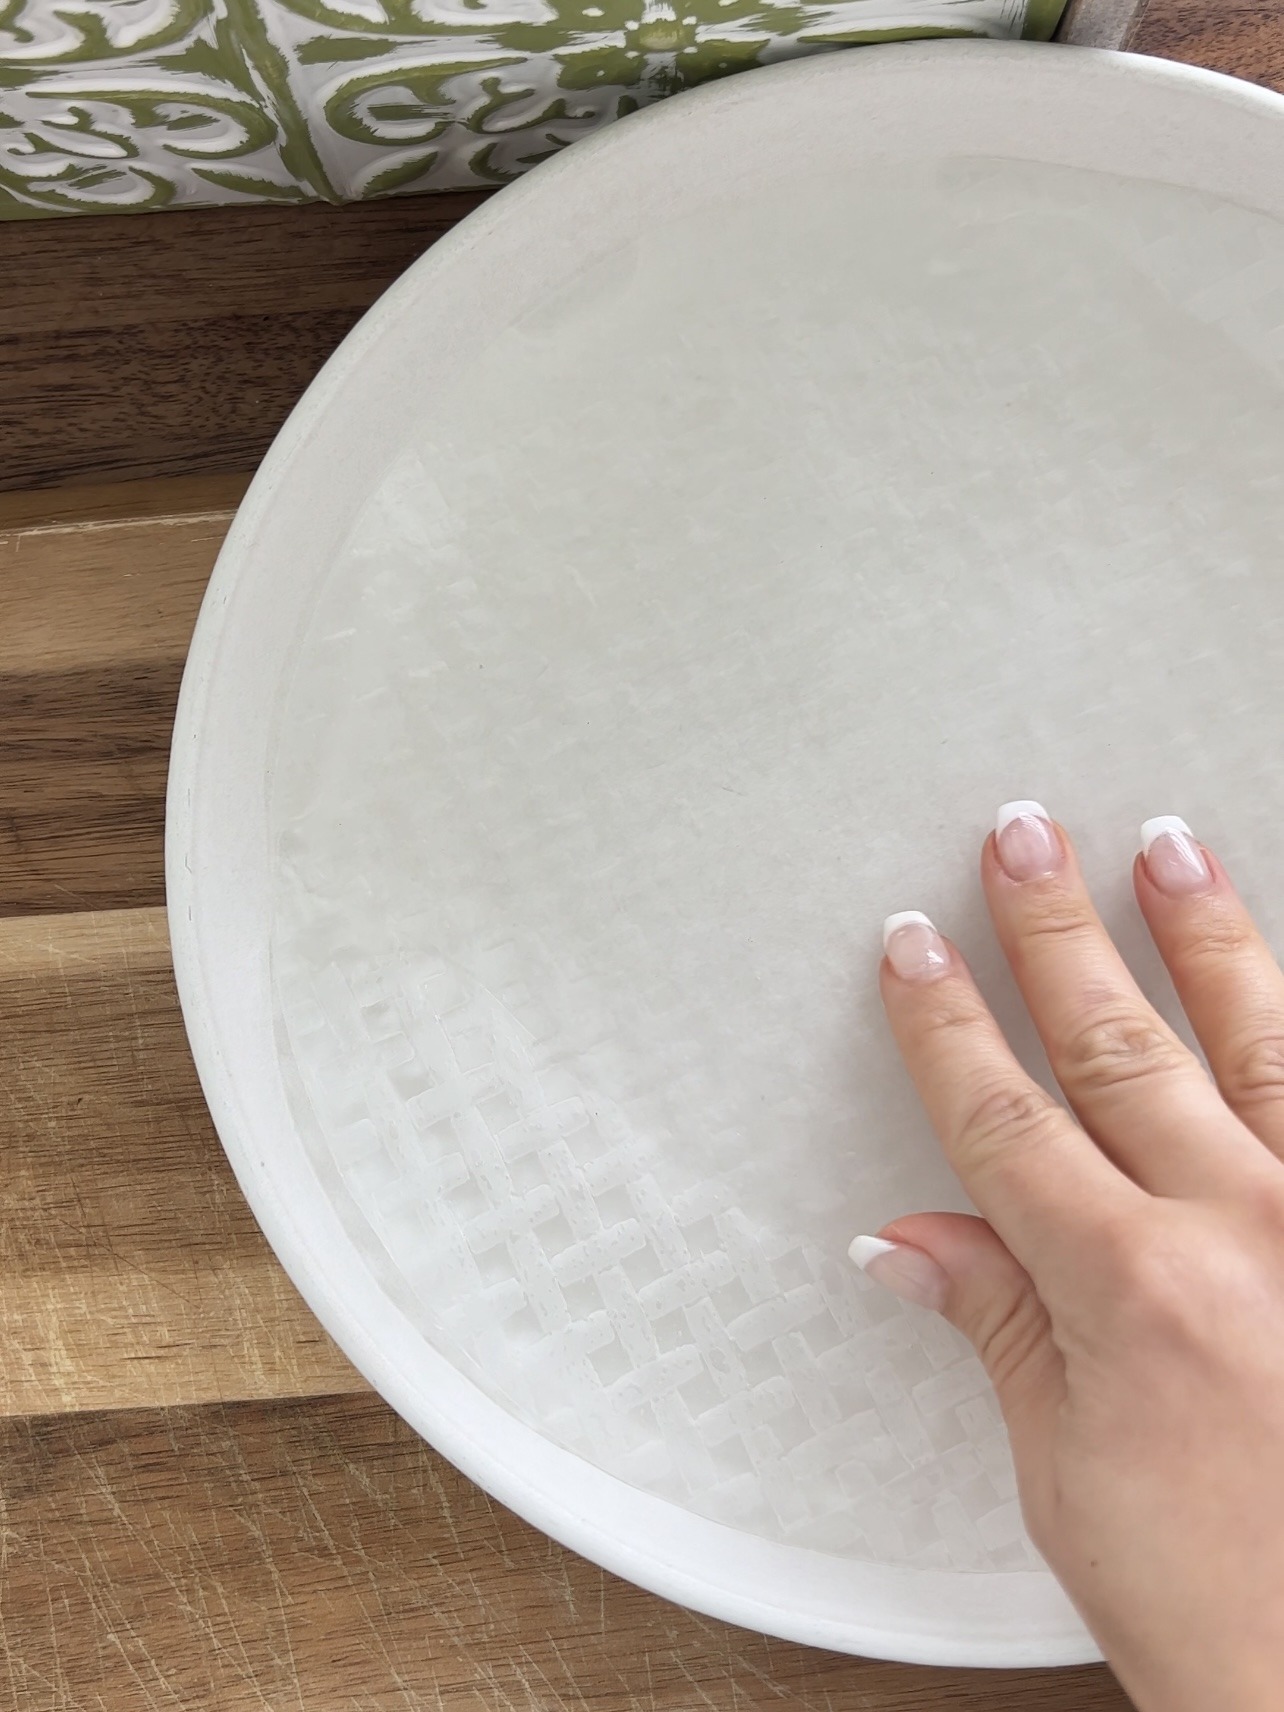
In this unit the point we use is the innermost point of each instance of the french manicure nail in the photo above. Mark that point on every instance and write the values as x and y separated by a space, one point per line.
913 947
1028 845
1173 859
906 1272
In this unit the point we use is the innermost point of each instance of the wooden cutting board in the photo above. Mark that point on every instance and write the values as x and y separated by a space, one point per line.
204 1506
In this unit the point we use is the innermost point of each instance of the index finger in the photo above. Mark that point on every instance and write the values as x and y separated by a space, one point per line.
1031 1171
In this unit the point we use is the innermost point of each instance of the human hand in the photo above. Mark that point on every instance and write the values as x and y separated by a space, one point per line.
1125 1287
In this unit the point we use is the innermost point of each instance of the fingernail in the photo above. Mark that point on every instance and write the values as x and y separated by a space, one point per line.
913 946
1027 842
906 1272
1174 861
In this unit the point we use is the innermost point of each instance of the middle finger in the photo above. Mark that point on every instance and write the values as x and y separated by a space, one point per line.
1134 1086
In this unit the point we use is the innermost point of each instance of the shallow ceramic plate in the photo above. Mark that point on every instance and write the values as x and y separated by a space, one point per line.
660 586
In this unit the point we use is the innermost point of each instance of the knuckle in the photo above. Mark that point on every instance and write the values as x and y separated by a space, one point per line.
1218 939
1182 1281
1120 1276
1253 1071
1149 1269
1055 916
1112 1049
949 1013
1116 1238
1154 1287
1005 1118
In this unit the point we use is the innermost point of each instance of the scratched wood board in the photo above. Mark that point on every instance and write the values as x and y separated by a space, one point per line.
318 1556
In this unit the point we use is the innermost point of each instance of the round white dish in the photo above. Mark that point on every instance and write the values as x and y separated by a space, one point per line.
653 592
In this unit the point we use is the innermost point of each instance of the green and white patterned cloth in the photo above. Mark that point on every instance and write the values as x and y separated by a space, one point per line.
110 105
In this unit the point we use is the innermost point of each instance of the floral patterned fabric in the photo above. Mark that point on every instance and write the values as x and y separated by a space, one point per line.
112 105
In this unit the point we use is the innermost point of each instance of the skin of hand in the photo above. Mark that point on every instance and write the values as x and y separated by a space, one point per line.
1125 1284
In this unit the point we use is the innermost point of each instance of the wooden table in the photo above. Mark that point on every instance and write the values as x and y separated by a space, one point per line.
203 1504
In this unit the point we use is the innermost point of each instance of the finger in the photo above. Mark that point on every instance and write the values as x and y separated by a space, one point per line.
1134 1086
958 1266
1023 1160
1225 974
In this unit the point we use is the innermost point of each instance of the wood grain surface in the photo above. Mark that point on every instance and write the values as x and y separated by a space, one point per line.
318 1557
177 343
1244 38
131 1270
95 618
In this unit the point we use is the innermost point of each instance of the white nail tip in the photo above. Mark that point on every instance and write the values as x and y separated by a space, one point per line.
867 1248
1156 828
1019 811
906 918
